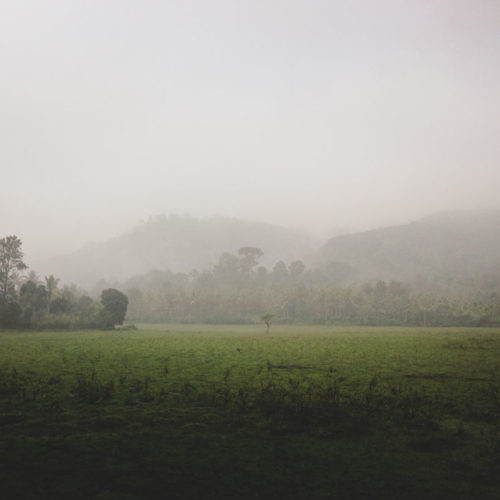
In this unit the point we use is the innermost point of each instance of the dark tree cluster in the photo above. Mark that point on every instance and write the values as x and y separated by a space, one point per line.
30 303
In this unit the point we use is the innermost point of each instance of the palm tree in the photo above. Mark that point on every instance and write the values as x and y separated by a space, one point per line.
32 276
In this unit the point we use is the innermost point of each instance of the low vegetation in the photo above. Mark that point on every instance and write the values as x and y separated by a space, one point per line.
233 412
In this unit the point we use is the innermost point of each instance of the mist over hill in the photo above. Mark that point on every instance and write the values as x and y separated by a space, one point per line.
457 244
449 245
180 243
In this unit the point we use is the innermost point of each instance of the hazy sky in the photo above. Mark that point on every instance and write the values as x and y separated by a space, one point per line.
306 113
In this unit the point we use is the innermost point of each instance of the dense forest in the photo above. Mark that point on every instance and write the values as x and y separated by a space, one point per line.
238 290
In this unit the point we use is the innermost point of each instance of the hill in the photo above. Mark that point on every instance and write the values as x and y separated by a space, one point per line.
453 244
179 243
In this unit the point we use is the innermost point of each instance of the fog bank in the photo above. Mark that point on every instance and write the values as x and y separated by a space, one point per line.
305 114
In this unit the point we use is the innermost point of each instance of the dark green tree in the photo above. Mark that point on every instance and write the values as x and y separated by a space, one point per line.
61 305
33 299
32 294
10 313
115 306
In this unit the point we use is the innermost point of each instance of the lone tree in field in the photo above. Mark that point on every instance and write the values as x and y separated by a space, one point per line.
267 318
11 262
115 305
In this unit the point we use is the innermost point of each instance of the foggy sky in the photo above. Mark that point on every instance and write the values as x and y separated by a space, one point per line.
314 114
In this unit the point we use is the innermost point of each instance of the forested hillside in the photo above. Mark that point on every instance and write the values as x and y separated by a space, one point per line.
446 245
179 243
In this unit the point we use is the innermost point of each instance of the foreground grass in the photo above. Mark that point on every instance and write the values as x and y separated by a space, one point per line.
229 412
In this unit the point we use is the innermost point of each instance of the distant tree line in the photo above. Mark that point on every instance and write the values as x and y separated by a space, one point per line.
29 302
238 290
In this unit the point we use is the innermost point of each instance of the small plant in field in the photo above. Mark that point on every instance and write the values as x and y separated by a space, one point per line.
243 397
188 389
27 386
373 383
267 318
162 395
10 383
55 379
142 386
89 389
34 385
331 394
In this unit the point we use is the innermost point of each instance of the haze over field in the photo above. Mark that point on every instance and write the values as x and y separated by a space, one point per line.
317 114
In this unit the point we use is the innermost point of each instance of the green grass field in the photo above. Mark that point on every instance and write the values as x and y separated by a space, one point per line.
230 412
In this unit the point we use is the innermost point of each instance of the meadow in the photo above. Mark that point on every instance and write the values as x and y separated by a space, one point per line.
230 412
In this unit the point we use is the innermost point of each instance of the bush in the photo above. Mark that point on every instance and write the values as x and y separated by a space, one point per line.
115 306
57 321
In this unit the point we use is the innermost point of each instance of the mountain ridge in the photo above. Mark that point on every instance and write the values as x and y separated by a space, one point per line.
452 243
458 243
180 243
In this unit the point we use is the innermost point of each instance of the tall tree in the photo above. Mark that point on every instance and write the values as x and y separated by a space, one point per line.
33 276
296 268
51 286
249 258
33 298
226 271
280 272
11 263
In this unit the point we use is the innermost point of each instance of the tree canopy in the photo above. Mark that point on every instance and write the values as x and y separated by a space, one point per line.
115 306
